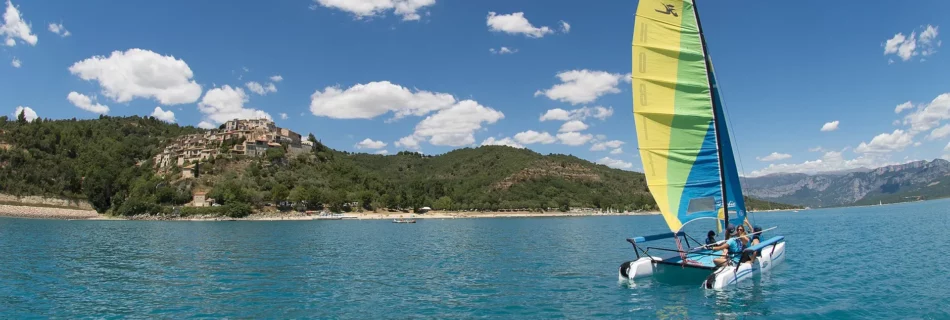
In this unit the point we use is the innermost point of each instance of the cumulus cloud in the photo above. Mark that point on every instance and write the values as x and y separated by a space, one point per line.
276 78
830 161
382 152
573 125
582 86
830 126
574 138
456 125
59 30
491 141
816 149
16 63
226 103
84 102
601 146
138 73
939 133
774 156
616 151
903 106
409 142
206 125
930 115
366 101
14 27
887 142
370 144
532 137
502 50
907 47
28 113
260 89
559 114
407 9
515 23
615 163
167 116
565 27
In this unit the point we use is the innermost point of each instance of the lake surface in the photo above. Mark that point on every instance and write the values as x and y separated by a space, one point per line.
871 262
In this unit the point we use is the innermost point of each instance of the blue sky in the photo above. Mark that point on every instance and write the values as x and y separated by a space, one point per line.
422 73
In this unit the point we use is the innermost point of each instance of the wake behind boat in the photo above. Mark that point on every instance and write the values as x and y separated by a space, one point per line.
686 152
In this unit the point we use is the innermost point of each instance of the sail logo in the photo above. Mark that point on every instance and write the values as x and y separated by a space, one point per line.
670 9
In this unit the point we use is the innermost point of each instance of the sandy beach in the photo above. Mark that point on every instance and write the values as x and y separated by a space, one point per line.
78 214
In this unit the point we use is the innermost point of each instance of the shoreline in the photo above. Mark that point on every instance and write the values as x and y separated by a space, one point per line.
36 212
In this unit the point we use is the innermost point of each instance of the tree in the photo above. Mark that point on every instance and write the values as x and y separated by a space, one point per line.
278 193
443 203
21 118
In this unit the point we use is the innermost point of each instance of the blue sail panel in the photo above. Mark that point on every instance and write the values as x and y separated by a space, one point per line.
736 202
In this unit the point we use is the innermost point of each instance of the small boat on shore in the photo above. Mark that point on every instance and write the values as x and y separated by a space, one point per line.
404 220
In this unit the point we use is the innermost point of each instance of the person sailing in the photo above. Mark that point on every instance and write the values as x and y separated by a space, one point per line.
710 237
731 247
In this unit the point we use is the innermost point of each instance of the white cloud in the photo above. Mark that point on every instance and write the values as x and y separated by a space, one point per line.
16 63
928 116
774 156
276 78
572 126
84 102
515 23
138 73
830 126
225 103
167 116
947 147
383 152
939 133
366 101
408 9
206 125
59 29
456 125
283 116
502 50
907 47
582 86
603 113
370 144
830 161
616 151
887 142
601 146
577 114
257 88
574 138
615 163
816 149
565 27
491 141
409 142
28 113
14 27
903 106
532 137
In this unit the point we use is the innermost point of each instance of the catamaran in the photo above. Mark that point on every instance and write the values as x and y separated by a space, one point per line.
686 151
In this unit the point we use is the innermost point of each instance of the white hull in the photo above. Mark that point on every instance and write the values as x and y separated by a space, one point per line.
720 278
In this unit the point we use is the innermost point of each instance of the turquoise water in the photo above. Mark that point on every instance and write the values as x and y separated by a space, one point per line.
871 262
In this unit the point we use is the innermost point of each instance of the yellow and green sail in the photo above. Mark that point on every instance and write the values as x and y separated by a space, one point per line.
677 111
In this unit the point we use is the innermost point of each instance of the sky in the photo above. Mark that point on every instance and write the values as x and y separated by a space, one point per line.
808 86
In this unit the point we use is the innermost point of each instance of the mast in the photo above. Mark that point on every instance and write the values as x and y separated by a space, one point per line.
722 168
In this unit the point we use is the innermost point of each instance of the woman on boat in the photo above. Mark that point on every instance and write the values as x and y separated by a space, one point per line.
731 247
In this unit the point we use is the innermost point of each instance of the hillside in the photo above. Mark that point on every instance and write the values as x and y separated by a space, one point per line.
897 183
109 162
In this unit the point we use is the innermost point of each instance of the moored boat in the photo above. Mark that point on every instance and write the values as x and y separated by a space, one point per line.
686 152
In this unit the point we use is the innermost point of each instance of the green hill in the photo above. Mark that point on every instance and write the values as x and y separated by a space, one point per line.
108 163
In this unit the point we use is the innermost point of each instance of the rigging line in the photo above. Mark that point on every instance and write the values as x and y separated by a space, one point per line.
735 140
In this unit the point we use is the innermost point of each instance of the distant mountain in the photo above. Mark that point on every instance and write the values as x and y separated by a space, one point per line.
896 183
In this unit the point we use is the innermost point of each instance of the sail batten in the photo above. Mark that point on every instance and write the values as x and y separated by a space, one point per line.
675 104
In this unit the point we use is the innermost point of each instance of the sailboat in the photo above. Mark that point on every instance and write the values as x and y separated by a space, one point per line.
686 152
